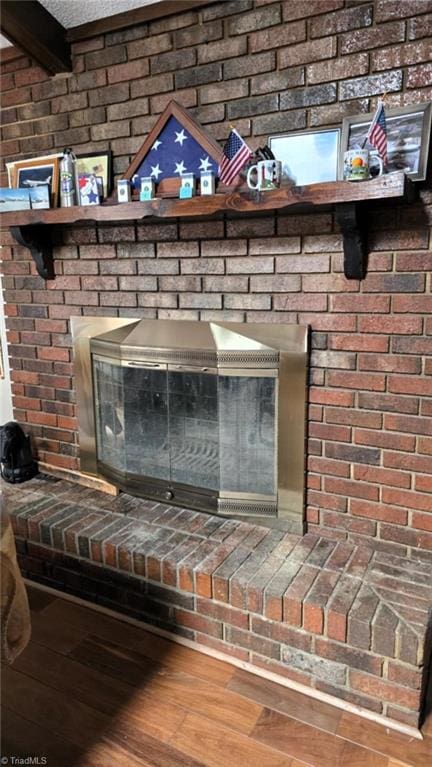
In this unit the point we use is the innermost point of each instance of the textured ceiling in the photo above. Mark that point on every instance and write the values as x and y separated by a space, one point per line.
71 13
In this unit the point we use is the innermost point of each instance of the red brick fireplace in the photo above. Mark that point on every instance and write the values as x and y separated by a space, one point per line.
365 561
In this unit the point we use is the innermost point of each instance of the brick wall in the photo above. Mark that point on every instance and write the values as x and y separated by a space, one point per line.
269 68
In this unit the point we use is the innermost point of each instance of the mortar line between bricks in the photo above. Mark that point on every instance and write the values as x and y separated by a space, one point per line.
400 618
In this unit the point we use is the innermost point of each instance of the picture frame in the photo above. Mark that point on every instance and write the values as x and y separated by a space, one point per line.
10 166
308 156
14 199
28 174
89 189
40 197
408 138
96 164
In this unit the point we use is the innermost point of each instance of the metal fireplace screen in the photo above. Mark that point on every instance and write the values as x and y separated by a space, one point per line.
204 415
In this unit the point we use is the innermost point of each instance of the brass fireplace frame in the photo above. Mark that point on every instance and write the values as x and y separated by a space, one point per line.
240 349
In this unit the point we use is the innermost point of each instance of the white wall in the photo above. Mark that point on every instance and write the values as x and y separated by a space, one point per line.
5 385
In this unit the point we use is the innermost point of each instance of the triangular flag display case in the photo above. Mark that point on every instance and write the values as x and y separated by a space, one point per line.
177 144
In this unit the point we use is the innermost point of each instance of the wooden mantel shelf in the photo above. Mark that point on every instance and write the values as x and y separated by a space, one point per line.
32 228
334 192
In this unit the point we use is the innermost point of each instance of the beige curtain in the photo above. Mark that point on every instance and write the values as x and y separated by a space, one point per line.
15 613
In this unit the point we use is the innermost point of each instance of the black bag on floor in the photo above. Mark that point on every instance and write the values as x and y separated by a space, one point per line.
16 460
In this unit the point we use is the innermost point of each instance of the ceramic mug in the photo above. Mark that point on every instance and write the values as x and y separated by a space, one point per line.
357 164
268 173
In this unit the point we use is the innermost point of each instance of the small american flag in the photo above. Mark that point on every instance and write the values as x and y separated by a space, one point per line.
234 156
377 135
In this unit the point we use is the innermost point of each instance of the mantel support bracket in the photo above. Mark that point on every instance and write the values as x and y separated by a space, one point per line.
37 238
351 217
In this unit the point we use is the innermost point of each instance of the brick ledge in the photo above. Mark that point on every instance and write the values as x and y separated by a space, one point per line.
345 620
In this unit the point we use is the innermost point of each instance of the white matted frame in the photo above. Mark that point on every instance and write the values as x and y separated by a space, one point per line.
308 157
408 137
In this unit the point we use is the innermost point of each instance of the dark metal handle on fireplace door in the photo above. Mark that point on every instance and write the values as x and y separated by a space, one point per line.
145 364
190 368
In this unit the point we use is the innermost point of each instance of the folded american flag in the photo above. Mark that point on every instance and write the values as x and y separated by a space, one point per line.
377 135
235 154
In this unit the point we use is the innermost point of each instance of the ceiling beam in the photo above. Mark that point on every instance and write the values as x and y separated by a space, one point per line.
132 17
37 33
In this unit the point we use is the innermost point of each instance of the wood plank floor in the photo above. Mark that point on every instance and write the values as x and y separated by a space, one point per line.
92 691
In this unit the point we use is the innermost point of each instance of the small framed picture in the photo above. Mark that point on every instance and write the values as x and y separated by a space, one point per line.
40 197
99 164
308 157
29 174
90 189
14 199
408 136
10 166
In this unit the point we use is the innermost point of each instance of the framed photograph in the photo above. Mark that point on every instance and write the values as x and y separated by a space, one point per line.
96 164
90 189
40 197
308 157
14 199
408 135
29 174
10 166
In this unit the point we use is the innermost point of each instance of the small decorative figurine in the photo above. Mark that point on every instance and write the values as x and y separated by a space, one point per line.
187 187
123 190
147 191
207 185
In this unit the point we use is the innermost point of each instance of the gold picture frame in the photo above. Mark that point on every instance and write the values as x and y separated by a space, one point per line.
28 174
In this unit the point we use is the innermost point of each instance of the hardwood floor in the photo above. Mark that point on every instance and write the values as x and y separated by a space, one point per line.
92 691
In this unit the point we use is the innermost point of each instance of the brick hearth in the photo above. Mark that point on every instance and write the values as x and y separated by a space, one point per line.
320 612
344 609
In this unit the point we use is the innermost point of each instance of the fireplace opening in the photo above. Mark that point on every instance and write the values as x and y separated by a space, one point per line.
209 416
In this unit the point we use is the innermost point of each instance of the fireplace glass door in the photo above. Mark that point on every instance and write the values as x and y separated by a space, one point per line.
214 432
247 434
193 428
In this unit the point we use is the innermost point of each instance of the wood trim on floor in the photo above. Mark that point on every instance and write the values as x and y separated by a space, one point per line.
135 16
269 675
